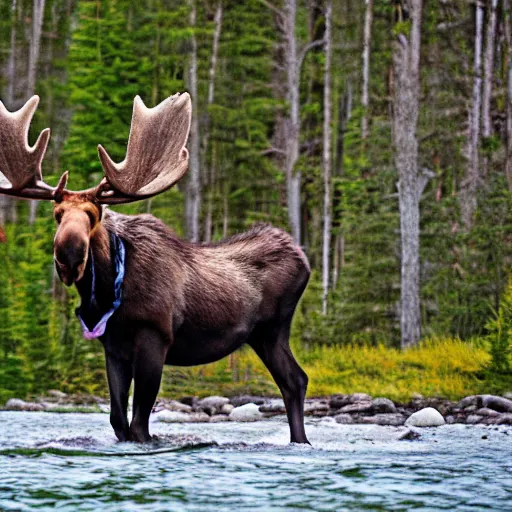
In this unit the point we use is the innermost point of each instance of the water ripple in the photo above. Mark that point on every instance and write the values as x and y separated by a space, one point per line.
73 462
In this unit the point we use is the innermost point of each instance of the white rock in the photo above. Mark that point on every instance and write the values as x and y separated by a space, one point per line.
247 412
170 416
227 409
428 417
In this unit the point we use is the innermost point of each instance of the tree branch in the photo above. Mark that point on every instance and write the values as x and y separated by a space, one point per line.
306 49
273 8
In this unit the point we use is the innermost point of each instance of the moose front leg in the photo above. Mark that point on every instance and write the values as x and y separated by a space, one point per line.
149 356
119 374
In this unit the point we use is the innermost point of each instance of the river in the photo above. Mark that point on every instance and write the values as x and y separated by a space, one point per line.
72 462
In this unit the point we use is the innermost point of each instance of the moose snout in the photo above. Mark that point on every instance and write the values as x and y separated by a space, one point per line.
70 265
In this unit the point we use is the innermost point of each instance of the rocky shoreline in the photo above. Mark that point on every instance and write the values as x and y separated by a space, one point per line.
356 408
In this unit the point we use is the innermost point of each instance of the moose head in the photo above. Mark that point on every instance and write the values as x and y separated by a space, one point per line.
155 160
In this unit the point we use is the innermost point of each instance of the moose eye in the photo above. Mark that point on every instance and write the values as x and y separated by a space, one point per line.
58 217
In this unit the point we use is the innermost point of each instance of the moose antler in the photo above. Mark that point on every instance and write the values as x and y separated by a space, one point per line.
156 157
20 164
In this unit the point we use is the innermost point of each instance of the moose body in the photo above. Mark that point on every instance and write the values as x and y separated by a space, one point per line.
182 303
187 304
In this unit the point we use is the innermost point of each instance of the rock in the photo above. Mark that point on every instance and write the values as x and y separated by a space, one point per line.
497 403
198 417
247 412
470 408
508 395
237 401
357 407
316 408
409 435
275 406
180 417
417 396
504 419
227 409
55 393
16 404
212 404
344 419
450 419
466 402
189 400
484 411
359 397
175 406
219 418
338 401
394 420
472 419
428 417
170 416
383 405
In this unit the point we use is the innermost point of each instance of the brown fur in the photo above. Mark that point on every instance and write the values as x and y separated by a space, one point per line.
186 303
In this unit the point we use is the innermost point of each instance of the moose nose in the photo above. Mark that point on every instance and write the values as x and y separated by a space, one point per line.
70 265
68 272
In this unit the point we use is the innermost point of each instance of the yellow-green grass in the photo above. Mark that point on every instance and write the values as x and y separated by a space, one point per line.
448 368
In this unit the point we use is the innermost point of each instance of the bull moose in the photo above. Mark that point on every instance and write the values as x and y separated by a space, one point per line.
150 297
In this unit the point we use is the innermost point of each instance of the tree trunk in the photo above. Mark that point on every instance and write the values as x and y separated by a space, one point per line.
293 177
33 60
508 38
365 102
8 212
327 158
406 60
490 36
206 128
470 185
193 188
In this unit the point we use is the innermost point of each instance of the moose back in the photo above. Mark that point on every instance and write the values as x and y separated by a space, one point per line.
150 297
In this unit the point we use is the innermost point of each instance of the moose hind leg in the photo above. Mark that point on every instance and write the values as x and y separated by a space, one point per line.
119 374
274 350
148 363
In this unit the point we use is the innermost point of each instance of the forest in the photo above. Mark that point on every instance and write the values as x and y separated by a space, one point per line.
378 133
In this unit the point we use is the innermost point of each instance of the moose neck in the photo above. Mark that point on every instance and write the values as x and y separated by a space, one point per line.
100 251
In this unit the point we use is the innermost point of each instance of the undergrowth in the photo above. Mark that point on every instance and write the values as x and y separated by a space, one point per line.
448 368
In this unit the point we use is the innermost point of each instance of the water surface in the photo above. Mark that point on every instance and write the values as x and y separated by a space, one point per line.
73 462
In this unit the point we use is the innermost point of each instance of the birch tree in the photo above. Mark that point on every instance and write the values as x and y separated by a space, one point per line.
365 102
326 249
470 185
33 61
293 60
193 188
412 181
206 129
490 36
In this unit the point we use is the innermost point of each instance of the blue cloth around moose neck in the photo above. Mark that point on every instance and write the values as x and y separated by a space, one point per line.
91 309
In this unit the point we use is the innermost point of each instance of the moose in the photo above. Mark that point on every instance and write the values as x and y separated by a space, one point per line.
150 297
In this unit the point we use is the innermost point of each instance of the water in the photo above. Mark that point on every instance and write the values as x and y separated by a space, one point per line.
73 462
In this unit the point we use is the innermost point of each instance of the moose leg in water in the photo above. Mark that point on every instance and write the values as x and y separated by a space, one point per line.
119 374
272 346
150 351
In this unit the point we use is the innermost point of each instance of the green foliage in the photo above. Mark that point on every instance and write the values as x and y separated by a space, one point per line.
96 56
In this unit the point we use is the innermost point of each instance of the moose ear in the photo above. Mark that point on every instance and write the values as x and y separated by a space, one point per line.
156 157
